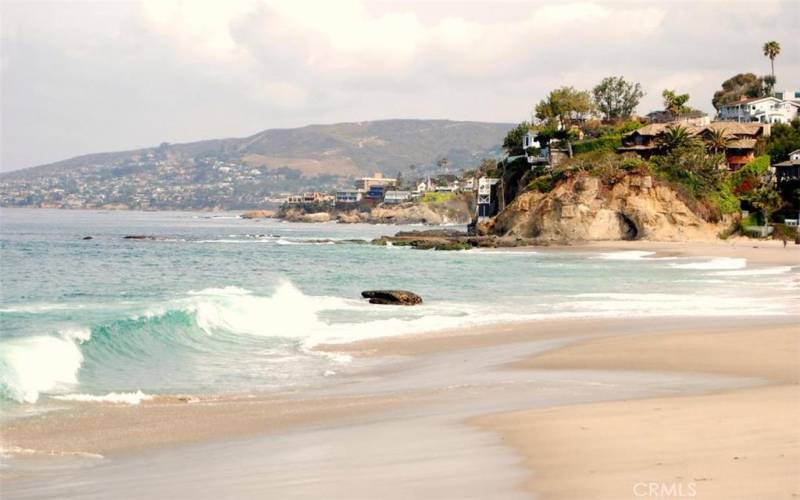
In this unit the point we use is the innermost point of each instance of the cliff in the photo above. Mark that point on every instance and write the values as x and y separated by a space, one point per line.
583 208
452 209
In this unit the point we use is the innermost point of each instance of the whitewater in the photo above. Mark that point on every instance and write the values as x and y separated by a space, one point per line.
228 305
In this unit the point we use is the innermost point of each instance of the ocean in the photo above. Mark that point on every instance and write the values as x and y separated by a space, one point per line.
214 304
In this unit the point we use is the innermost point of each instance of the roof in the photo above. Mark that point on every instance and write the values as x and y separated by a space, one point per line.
787 163
738 128
748 101
741 144
733 128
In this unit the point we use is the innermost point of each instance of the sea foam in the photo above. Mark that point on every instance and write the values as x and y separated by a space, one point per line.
719 263
130 398
36 364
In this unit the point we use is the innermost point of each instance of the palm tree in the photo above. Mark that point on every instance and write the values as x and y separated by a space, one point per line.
771 50
676 136
718 139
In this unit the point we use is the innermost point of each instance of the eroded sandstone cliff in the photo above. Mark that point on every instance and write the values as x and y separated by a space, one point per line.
584 208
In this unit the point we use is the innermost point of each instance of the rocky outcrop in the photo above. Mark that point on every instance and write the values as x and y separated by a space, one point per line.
454 211
445 239
298 215
583 208
258 214
392 297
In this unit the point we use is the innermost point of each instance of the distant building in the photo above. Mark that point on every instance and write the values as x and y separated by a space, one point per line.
348 196
395 197
366 183
375 193
761 110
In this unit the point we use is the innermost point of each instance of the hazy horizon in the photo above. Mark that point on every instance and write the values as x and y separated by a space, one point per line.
80 78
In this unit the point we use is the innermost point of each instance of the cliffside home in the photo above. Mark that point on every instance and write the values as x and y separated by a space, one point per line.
760 109
396 197
348 196
738 152
789 170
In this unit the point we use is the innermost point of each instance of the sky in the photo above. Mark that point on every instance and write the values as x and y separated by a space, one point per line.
85 77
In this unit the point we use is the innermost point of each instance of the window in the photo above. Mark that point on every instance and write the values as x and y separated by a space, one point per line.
797 94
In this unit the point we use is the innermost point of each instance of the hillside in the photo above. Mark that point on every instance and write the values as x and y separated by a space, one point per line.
243 172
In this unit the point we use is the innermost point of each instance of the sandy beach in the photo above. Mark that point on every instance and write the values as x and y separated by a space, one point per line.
574 408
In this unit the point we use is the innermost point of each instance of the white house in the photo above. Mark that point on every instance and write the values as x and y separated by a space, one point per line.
348 196
529 140
787 94
760 109
394 197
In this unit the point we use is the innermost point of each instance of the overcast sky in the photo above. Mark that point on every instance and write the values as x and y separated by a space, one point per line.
98 76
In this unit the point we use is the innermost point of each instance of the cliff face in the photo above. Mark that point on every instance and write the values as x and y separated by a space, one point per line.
583 208
453 211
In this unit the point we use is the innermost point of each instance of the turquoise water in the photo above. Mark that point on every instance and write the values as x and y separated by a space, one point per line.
218 304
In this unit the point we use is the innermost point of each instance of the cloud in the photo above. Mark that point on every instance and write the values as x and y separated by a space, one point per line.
85 77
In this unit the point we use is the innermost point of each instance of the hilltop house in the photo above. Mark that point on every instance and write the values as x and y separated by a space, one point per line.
738 152
760 109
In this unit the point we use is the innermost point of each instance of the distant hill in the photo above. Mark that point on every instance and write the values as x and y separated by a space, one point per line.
343 148
242 172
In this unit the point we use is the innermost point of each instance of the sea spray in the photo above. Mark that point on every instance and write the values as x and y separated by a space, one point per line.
32 365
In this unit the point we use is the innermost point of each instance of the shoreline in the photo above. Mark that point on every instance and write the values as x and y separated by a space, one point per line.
493 390
412 382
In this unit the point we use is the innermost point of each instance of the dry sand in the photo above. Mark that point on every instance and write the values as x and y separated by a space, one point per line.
736 444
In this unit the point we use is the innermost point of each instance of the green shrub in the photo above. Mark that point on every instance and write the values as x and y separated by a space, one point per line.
604 143
434 197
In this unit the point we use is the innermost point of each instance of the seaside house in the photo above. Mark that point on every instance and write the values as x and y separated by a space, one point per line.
739 151
396 197
760 109
348 196
789 170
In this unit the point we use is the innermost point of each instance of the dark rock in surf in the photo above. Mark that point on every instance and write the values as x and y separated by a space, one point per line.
392 297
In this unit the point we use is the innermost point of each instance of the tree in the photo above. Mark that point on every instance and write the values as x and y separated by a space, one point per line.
563 106
783 139
675 103
677 136
738 86
769 84
771 50
442 163
767 200
617 98
513 140
717 140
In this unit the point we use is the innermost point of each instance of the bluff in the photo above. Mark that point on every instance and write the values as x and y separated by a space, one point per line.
584 208
457 209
